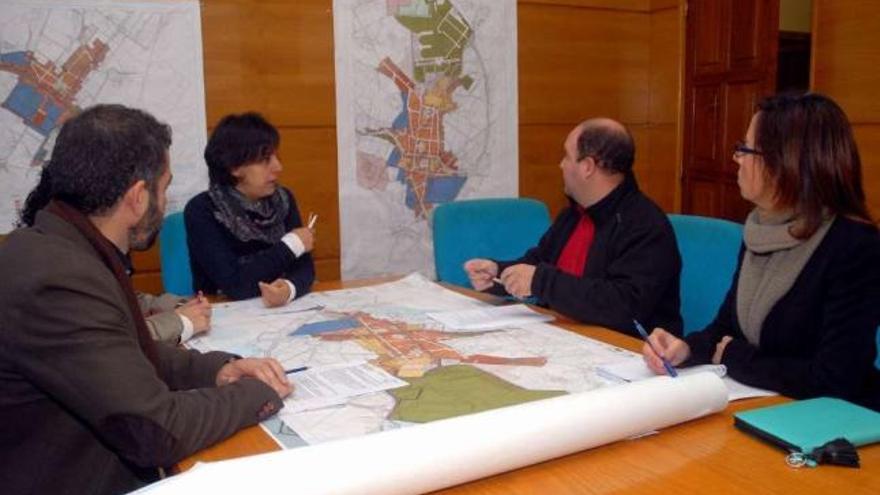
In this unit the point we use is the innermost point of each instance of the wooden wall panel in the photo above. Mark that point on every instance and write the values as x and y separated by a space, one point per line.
576 63
660 173
665 66
147 276
309 159
577 59
275 57
658 168
868 140
540 151
845 56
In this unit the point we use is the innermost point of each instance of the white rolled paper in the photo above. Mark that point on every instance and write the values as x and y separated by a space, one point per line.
449 452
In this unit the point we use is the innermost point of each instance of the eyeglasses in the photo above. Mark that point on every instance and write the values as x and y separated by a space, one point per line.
740 149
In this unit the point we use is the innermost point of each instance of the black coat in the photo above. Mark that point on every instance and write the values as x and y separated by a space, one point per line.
632 271
819 338
222 263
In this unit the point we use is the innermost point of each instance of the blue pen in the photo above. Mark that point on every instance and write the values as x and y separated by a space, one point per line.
295 370
644 334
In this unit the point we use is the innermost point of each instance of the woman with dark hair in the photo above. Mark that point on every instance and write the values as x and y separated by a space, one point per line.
245 234
804 306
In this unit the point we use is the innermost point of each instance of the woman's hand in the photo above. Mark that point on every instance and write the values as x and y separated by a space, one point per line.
275 294
668 346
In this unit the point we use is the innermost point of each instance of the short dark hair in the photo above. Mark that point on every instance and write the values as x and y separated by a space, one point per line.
612 147
98 155
239 140
810 154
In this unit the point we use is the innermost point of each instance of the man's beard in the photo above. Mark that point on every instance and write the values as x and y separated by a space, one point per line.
142 236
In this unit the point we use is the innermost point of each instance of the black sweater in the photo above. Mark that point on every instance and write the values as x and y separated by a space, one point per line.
222 263
819 338
632 269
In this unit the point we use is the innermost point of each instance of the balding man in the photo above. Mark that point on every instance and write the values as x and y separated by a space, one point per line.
610 257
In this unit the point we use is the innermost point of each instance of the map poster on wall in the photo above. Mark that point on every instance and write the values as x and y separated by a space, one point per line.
60 57
426 99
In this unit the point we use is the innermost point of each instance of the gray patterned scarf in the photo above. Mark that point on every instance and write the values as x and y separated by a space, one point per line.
261 220
771 263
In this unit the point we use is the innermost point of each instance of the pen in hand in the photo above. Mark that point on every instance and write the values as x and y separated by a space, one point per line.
295 370
644 334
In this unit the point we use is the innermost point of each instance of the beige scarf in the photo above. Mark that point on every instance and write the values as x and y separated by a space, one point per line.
771 264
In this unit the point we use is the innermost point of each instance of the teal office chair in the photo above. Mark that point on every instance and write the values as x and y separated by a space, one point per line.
499 228
877 361
709 250
174 255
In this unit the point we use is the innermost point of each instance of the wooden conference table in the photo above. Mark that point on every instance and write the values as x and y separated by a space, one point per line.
707 455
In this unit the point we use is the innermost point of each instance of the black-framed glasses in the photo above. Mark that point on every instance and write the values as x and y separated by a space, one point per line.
740 149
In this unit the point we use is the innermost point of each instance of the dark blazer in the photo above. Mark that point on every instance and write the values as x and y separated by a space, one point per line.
632 269
81 407
819 338
221 262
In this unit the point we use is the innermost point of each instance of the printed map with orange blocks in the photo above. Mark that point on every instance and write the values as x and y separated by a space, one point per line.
426 107
57 58
409 350
448 372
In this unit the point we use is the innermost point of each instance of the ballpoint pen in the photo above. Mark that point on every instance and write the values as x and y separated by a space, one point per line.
295 370
644 334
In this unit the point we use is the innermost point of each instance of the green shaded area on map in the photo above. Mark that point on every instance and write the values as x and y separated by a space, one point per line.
450 391
442 32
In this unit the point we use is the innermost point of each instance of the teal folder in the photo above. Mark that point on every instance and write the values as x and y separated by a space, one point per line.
805 425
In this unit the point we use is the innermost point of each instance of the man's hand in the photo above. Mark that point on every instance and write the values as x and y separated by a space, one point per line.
306 236
275 294
481 272
517 280
198 311
267 370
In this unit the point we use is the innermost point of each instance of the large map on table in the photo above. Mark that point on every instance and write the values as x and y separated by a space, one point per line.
449 372
58 57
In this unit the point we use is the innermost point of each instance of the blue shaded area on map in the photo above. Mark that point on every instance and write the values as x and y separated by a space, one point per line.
53 112
394 160
24 101
401 122
444 189
326 326
15 58
439 190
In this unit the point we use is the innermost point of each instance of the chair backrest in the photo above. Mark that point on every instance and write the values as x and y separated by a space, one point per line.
174 254
877 361
709 250
499 228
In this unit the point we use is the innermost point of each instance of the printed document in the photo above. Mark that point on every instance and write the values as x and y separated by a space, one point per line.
336 384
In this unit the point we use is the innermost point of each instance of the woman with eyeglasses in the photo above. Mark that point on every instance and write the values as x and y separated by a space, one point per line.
802 313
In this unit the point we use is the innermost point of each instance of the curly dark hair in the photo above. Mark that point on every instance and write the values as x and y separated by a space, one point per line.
236 141
98 155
